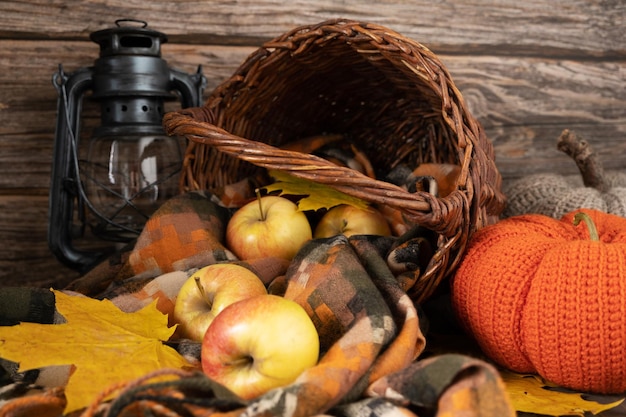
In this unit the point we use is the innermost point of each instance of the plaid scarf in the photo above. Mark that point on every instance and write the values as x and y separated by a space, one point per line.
372 335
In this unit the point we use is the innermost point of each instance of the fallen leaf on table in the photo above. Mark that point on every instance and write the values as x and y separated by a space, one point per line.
104 344
317 196
532 394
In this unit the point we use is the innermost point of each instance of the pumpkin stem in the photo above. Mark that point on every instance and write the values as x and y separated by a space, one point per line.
593 231
587 161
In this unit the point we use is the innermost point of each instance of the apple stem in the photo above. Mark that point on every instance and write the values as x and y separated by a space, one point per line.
258 198
200 288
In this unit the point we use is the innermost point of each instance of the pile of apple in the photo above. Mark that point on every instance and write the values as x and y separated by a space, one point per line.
254 341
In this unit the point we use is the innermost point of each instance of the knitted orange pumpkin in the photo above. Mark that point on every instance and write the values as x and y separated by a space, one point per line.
542 295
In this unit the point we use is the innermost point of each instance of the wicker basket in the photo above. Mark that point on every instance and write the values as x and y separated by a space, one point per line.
389 94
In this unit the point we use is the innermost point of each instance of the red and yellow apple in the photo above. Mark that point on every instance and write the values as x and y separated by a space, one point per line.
270 226
207 292
349 220
258 344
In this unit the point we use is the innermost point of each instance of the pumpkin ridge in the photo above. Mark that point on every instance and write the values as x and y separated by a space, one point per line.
569 330
616 200
535 226
614 363
575 198
493 324
528 194
546 319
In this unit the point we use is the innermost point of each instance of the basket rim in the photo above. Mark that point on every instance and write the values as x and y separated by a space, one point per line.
466 128
477 199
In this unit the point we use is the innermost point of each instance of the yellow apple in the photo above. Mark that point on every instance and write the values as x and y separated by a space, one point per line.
349 220
258 344
209 291
270 226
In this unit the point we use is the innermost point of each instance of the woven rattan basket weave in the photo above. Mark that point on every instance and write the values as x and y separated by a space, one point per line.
389 94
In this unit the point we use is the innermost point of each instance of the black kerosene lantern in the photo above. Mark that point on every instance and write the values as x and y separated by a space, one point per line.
130 166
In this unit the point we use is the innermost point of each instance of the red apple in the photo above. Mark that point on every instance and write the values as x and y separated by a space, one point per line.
258 344
208 292
350 220
270 226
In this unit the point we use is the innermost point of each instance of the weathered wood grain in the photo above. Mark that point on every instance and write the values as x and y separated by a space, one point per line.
527 70
563 27
523 103
25 258
499 89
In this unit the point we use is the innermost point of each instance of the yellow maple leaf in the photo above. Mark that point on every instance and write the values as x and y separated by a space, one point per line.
105 345
315 195
528 394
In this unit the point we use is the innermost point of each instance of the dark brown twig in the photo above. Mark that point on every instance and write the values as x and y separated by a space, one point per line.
586 159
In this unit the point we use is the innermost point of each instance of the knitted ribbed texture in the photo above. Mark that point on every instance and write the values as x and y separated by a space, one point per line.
539 296
555 195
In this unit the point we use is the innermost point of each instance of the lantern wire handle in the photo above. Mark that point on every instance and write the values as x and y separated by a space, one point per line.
59 80
143 23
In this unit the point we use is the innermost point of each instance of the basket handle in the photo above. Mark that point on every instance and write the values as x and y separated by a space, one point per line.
443 215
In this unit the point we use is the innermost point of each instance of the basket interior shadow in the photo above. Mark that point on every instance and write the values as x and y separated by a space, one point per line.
388 94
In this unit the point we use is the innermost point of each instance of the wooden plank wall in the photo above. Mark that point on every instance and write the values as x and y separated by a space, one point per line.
528 70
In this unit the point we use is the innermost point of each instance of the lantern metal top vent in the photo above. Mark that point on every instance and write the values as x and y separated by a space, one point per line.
129 166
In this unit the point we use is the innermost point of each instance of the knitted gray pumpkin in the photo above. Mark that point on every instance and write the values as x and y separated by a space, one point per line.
554 195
